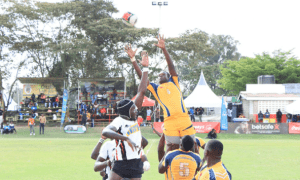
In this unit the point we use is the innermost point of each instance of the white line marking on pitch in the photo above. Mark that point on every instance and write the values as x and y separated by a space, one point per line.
150 147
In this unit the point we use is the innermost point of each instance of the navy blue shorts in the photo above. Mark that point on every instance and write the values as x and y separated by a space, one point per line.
129 168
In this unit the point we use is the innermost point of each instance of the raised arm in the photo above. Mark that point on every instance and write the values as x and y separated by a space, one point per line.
143 85
131 55
95 152
161 45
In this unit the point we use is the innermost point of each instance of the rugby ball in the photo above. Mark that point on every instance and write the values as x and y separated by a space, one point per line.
129 19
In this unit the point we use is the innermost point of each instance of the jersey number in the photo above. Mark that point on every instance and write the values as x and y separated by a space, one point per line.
184 169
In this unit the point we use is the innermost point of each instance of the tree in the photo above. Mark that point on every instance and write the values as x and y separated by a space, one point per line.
236 74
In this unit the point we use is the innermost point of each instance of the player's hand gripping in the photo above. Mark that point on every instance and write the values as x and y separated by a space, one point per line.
131 144
129 51
161 42
145 59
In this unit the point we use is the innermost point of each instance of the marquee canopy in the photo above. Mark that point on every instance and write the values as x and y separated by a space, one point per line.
202 96
293 108
146 102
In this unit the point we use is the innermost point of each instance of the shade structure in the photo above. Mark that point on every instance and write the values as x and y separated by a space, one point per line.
146 102
293 108
202 96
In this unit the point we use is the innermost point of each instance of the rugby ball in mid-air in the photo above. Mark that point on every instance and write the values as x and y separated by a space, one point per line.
129 19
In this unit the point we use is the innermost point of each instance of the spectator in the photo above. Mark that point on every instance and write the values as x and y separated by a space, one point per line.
289 118
48 101
294 119
114 94
1 118
42 123
33 108
27 101
99 98
148 115
43 98
278 116
157 114
56 101
103 113
260 117
201 111
31 104
84 117
104 96
267 114
83 107
31 125
90 107
191 112
33 97
140 120
212 134
93 120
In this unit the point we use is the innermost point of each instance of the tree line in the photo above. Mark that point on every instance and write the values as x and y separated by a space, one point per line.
81 39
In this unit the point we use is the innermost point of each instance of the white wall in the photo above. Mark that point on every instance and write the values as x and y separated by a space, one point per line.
265 88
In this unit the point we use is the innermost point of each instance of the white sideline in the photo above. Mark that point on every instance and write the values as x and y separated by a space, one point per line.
150 147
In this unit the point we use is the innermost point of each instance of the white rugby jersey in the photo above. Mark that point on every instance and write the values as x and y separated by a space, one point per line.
131 130
107 151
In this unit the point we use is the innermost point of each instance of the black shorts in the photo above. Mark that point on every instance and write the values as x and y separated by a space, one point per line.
129 168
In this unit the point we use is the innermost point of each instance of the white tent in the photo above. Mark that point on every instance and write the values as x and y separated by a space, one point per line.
203 96
13 106
293 108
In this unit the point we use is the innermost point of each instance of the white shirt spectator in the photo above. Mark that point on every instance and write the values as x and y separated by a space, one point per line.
149 112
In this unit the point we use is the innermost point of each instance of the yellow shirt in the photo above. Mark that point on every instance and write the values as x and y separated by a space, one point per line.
216 172
169 96
42 119
200 142
182 165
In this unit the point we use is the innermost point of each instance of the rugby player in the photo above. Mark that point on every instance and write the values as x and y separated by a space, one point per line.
126 131
177 122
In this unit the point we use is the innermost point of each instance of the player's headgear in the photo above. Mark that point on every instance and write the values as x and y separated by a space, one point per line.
124 107
187 142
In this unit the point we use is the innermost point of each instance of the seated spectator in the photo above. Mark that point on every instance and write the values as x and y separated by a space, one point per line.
260 116
99 98
31 104
43 98
56 101
267 114
104 96
212 134
288 117
103 112
27 101
33 97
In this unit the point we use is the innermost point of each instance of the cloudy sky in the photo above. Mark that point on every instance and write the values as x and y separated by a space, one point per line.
259 25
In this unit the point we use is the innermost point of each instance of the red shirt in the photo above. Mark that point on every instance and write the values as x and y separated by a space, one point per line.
103 110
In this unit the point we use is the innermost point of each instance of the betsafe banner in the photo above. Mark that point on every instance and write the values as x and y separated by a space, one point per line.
64 106
294 128
224 123
257 128
200 127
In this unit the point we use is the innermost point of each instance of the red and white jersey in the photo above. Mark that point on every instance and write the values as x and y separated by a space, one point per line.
107 151
131 130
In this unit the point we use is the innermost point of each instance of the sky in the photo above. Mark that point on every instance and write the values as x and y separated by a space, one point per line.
259 25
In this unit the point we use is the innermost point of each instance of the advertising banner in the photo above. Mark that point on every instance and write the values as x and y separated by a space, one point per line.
224 123
47 89
200 127
294 128
64 106
75 129
257 128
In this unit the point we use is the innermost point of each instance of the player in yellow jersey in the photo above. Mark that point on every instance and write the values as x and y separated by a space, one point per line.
200 143
182 163
177 122
215 169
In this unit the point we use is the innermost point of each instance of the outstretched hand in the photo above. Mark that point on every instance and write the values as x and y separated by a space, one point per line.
161 42
145 59
129 51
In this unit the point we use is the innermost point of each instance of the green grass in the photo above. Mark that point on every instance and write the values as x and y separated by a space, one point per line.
57 155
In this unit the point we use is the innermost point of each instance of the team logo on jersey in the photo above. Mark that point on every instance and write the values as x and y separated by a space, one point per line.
134 128
168 91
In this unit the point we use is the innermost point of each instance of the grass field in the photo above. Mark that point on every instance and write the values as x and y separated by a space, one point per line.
57 155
